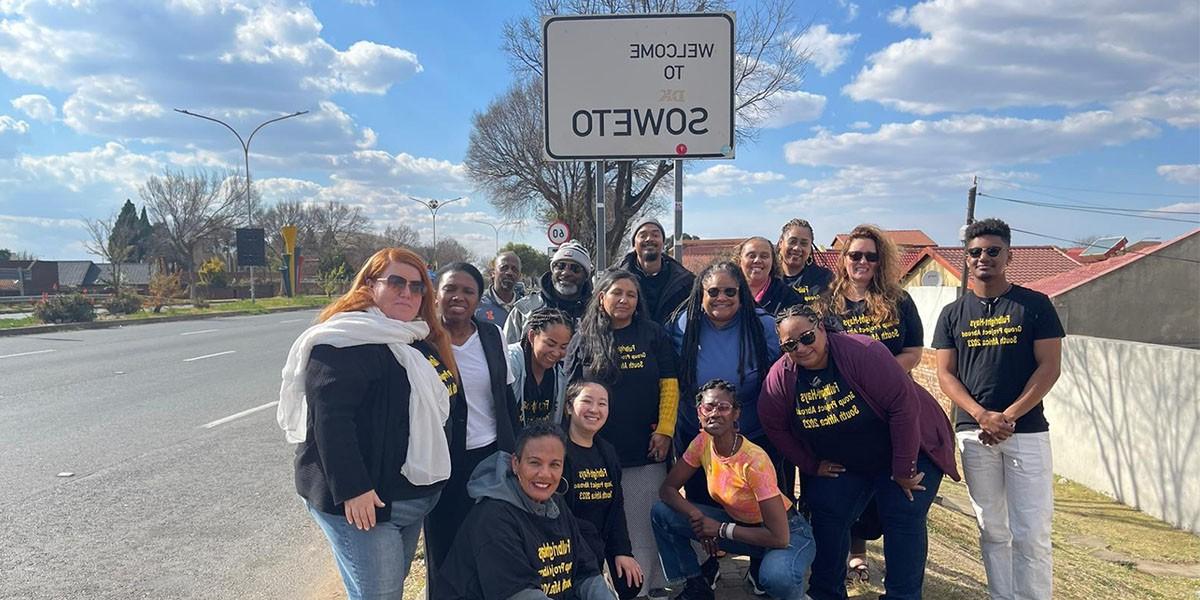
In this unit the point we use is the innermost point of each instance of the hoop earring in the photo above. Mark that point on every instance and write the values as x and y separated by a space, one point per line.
562 481
811 252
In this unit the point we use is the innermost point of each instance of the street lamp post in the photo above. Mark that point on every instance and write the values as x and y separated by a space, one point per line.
496 229
433 206
246 154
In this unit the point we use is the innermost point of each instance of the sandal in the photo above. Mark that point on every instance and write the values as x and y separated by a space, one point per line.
857 570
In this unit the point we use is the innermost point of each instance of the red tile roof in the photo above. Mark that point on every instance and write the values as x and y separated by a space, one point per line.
1055 285
697 254
914 238
1029 263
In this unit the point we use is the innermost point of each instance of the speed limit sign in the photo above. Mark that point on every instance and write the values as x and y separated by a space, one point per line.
558 233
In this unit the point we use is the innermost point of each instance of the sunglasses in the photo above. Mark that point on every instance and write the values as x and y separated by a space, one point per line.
564 265
729 292
872 257
397 283
709 408
992 251
807 338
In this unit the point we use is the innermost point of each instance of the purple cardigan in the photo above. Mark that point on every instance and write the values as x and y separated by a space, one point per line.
916 421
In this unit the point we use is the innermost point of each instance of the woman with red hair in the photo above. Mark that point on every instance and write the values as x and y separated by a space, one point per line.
365 392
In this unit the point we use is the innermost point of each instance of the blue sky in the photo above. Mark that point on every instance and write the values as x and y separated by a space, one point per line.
900 106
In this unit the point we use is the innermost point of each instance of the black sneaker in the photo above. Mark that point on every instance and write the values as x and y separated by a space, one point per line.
711 571
697 589
752 577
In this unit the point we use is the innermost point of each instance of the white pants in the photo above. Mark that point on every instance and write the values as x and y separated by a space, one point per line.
1011 486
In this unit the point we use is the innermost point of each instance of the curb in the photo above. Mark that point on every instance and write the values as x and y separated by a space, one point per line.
123 322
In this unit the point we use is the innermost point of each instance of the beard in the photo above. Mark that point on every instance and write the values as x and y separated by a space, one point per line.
566 289
650 254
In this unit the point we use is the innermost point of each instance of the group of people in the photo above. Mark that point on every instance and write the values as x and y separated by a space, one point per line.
615 432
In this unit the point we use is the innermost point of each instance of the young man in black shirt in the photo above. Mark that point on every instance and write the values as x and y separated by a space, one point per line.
998 354
665 283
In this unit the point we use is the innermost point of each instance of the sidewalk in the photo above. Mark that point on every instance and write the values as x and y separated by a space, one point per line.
1102 549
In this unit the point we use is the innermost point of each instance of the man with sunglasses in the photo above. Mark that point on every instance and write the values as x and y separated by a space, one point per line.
567 287
998 354
665 283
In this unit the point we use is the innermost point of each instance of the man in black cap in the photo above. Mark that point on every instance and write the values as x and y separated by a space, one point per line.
664 281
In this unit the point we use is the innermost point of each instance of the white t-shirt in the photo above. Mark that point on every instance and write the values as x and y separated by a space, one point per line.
477 386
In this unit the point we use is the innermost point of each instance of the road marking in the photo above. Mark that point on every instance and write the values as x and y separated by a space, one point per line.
209 355
238 415
201 331
290 321
27 353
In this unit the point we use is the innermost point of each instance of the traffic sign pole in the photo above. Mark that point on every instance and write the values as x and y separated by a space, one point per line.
601 258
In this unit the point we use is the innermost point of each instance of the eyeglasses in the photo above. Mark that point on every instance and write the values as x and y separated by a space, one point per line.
729 292
709 408
807 338
566 265
397 283
992 251
855 256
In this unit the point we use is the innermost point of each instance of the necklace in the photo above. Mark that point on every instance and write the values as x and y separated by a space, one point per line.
737 443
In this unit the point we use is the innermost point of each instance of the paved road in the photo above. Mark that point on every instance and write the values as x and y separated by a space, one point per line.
170 497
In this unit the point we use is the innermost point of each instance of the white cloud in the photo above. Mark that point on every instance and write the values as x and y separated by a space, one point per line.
826 50
968 142
1181 109
860 125
787 108
121 78
851 10
111 165
1180 173
12 134
1054 53
726 180
36 107
1191 208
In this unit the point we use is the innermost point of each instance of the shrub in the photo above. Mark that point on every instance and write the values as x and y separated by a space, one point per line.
163 287
213 273
65 308
123 303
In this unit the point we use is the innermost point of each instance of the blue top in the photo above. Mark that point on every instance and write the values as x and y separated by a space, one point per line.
717 358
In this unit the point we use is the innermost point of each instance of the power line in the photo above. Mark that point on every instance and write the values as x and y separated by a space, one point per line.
1100 206
1090 191
1106 211
1078 243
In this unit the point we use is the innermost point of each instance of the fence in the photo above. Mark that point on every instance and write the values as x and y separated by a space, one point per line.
1124 417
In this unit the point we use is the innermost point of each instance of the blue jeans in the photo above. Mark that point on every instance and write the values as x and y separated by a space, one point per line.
836 503
374 563
783 572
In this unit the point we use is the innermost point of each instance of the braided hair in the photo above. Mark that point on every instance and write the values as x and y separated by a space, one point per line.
545 318
750 340
599 351
722 385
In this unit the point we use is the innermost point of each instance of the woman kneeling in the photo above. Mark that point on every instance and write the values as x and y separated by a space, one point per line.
754 518
520 542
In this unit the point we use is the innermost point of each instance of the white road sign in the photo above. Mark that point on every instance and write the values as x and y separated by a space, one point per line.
558 233
638 86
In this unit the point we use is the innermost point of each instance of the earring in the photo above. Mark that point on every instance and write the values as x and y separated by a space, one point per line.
563 481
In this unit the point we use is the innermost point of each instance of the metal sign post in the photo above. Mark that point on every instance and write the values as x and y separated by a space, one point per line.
601 258
677 248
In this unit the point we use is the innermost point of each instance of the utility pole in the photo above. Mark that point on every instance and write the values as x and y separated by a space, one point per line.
246 154
962 288
433 206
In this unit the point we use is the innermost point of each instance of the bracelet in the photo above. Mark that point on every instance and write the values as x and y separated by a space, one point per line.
721 531
729 534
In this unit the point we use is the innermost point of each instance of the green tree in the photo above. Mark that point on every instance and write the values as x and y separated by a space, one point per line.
5 254
534 262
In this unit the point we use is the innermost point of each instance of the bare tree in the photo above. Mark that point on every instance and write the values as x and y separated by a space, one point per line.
402 236
112 243
504 157
298 214
189 210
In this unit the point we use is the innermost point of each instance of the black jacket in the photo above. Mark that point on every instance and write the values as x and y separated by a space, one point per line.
675 290
505 403
358 427
779 296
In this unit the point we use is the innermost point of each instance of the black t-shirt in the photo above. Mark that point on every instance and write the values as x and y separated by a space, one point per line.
538 401
903 332
839 425
502 549
651 286
779 296
994 340
811 282
594 475
644 355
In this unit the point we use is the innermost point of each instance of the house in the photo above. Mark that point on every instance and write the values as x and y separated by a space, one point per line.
52 276
942 265
1147 295
28 277
903 238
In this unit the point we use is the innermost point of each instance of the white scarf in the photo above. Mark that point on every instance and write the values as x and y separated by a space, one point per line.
428 459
